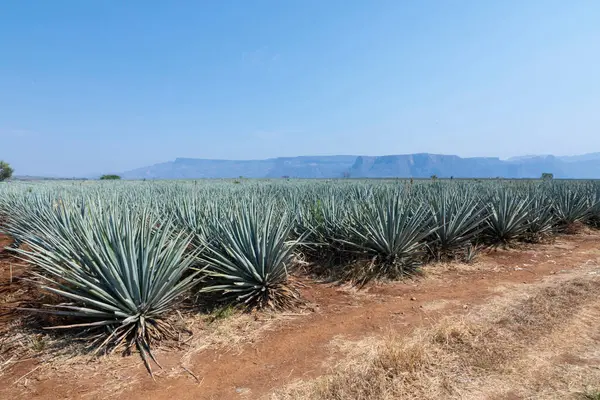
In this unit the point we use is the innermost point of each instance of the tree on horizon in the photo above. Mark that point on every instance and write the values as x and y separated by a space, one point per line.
5 171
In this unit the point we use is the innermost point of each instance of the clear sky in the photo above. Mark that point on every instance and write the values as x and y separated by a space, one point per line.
92 86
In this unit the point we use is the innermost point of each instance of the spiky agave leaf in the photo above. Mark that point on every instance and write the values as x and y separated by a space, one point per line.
320 222
508 213
389 229
571 204
541 218
458 218
195 215
594 219
249 255
116 271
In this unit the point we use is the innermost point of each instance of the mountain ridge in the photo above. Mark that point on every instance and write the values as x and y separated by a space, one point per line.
417 165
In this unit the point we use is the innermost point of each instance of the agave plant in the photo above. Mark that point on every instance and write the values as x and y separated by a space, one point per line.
249 257
571 204
390 230
508 214
320 222
458 218
540 217
194 215
121 272
37 217
471 253
594 219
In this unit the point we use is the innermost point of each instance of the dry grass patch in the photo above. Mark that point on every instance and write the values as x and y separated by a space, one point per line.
591 395
226 331
222 331
456 356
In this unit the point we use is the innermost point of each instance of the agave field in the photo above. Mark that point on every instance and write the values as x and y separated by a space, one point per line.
120 257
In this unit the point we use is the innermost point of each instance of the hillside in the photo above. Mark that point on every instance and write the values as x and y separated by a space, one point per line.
421 165
297 167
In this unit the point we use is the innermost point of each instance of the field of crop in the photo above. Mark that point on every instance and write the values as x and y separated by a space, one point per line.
113 264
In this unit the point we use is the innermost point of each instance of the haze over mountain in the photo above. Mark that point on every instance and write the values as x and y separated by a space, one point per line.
422 165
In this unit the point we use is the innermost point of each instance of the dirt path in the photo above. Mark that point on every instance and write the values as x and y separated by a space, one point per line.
532 341
301 348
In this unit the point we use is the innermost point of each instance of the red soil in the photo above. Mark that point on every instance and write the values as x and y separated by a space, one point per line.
301 347
13 292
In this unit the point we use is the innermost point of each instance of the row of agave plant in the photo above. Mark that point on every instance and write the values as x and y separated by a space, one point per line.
121 256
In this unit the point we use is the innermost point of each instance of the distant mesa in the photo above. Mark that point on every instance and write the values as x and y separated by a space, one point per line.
422 165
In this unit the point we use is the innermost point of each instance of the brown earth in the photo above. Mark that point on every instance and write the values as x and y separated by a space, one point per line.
533 341
256 355
14 291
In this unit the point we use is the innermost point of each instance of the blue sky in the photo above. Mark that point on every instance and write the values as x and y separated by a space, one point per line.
99 86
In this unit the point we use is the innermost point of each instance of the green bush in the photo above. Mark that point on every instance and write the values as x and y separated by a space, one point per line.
110 177
5 171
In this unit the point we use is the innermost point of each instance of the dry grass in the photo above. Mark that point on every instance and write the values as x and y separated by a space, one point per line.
591 395
506 349
227 331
